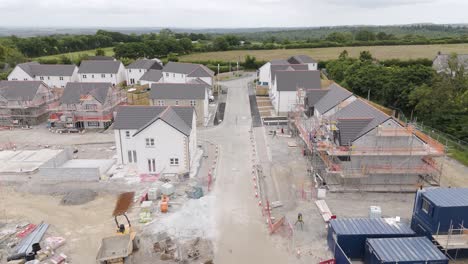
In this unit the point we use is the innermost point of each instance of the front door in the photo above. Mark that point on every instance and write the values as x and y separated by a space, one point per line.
151 165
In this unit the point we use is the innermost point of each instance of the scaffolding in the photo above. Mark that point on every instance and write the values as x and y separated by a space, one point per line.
451 243
420 158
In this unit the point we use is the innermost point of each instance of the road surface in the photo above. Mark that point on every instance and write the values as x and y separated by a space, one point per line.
242 236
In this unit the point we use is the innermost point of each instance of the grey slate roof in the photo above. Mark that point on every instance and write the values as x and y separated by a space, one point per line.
286 67
335 96
193 70
356 119
279 62
406 250
314 95
368 226
440 63
447 197
99 66
74 90
36 69
301 59
183 91
152 75
291 80
140 117
19 90
145 64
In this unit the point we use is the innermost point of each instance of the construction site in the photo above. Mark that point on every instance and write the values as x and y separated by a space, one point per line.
361 147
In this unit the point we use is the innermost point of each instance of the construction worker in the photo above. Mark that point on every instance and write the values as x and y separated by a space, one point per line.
299 220
274 133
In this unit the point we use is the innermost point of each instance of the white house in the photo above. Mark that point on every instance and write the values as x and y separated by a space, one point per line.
151 76
176 72
102 71
139 67
54 75
156 139
304 59
283 93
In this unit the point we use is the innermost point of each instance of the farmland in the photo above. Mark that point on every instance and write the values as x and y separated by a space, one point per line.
380 52
75 55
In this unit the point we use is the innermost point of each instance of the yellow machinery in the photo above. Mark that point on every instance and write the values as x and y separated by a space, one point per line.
117 249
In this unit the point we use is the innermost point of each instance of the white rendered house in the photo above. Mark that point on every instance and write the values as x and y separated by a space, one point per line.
156 139
54 75
139 67
102 71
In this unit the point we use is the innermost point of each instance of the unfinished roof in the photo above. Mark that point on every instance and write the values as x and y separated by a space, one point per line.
74 91
286 67
301 59
145 64
335 95
356 119
140 117
36 69
291 80
182 91
99 66
152 76
192 70
440 63
314 95
19 90
447 197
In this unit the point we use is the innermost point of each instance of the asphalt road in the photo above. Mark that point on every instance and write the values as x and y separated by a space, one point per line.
242 235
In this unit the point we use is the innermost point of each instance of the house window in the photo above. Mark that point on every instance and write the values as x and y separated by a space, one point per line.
177 102
127 134
161 102
48 77
129 70
173 75
132 81
174 161
426 207
41 78
90 106
132 156
111 75
139 70
193 103
93 124
151 165
150 142
92 76
84 76
61 78
167 74
25 79
103 75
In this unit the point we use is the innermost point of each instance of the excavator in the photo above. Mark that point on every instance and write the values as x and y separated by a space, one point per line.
118 249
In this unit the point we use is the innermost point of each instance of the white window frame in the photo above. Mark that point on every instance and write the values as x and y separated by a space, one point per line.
174 161
149 142
41 78
92 76
193 102
151 165
84 76
103 75
161 103
176 102
127 134
61 78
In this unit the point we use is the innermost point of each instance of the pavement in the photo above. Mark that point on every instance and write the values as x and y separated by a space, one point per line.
242 235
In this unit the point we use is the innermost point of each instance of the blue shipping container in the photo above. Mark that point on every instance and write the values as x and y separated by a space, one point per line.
410 250
351 234
435 209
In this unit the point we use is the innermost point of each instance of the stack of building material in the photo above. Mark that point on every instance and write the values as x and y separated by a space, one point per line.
35 236
167 189
324 210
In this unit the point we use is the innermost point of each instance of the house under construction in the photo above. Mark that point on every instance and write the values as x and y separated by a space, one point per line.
25 103
86 105
356 146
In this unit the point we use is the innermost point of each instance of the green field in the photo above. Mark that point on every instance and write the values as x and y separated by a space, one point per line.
380 52
74 55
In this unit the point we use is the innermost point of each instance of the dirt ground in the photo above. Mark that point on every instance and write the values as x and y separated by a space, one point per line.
290 184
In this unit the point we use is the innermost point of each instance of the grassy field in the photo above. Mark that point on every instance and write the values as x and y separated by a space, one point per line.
74 55
380 52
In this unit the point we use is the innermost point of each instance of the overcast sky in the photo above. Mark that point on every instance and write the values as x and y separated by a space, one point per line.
228 13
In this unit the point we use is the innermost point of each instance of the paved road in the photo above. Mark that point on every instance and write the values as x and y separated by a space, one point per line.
242 236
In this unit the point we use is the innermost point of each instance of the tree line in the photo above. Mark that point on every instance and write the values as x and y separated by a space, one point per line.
439 100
